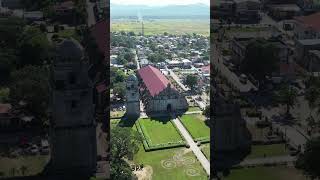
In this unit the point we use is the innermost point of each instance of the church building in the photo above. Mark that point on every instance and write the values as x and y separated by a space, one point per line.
72 126
157 94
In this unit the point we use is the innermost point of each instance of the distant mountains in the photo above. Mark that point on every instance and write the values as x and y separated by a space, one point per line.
170 11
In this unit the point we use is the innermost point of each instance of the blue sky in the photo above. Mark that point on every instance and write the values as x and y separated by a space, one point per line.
159 2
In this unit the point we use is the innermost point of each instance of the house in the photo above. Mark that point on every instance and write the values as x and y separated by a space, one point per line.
5 115
303 47
284 11
309 6
11 4
32 16
64 11
307 27
312 61
247 11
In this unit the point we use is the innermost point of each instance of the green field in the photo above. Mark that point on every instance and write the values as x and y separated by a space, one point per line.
117 114
269 150
159 131
265 173
206 150
34 164
171 26
193 108
178 163
196 125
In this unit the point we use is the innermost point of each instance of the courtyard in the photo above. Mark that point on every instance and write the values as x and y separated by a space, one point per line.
195 124
159 132
176 163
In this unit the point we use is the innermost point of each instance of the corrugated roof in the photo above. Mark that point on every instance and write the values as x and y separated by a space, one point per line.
311 21
154 80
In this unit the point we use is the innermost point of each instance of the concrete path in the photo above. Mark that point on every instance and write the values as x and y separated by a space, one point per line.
177 79
91 16
268 160
194 112
193 146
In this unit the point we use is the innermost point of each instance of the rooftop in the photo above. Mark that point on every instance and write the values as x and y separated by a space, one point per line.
100 34
5 108
154 80
311 21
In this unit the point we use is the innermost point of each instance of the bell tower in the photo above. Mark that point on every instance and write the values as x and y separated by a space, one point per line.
132 95
72 124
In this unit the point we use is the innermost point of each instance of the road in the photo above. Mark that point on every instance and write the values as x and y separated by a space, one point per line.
193 146
90 12
177 79
292 134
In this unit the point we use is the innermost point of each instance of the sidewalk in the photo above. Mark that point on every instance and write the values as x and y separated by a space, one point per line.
193 146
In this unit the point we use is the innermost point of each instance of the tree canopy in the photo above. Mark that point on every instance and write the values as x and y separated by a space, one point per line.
261 59
191 81
309 160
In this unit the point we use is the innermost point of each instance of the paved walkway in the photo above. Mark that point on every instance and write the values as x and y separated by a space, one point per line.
268 160
193 146
91 16
194 112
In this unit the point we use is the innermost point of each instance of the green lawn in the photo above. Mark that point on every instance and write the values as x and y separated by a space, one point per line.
67 33
4 94
206 150
193 108
166 167
159 131
266 173
196 125
117 114
270 150
172 26
114 122
34 164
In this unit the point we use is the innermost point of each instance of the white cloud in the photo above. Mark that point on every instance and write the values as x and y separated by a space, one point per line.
159 2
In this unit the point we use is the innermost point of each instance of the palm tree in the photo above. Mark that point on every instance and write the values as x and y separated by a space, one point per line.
288 96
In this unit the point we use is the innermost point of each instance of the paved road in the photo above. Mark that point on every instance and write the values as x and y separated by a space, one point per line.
91 17
193 146
177 79
295 137
232 77
268 160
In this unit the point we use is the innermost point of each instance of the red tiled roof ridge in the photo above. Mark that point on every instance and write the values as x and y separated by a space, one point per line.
153 79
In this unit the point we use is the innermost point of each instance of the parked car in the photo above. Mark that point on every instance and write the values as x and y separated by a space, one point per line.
34 149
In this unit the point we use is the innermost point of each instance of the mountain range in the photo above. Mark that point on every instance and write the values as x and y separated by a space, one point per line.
143 11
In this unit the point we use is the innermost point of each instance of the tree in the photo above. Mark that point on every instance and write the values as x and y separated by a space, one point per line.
11 29
120 89
288 96
30 84
34 47
206 112
309 160
8 61
191 81
261 59
121 170
124 143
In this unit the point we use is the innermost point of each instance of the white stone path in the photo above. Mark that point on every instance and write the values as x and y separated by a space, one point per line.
193 146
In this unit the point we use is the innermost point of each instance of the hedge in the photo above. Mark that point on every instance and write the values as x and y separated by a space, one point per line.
147 144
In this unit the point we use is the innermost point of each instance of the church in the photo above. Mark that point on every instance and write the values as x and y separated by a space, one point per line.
157 94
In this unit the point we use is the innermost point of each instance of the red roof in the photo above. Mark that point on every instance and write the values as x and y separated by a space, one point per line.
100 33
206 69
101 87
312 21
154 80
5 108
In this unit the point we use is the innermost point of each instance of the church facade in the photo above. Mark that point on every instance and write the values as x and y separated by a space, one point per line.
157 94
73 127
